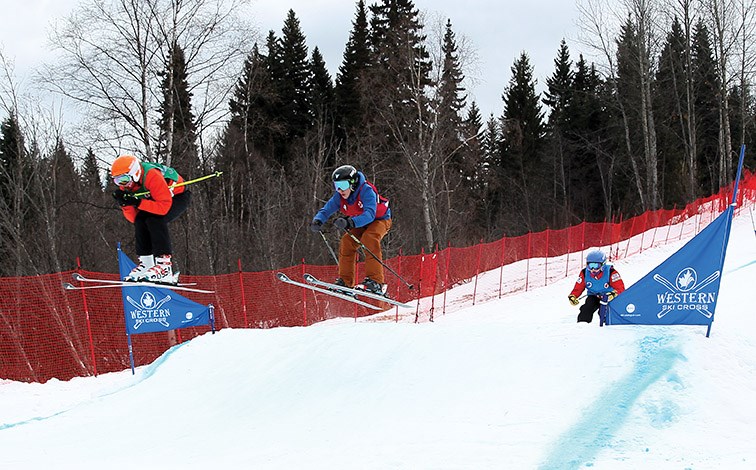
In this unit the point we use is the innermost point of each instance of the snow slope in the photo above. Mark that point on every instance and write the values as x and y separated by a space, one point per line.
513 383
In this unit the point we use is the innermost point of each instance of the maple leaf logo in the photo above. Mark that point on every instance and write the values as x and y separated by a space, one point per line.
148 300
686 279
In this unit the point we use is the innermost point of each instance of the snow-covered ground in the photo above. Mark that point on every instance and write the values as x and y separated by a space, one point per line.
512 383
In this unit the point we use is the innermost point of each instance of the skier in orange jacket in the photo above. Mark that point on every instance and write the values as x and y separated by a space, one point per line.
150 213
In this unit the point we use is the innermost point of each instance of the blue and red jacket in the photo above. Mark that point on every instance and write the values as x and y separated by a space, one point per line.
602 282
364 204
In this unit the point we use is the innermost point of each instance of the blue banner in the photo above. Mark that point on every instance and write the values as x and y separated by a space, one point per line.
151 309
684 289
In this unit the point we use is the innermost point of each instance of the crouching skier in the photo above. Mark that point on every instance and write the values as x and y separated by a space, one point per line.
367 216
150 204
599 278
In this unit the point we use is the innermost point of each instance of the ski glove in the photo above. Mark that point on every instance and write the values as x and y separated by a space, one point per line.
316 226
125 199
344 223
573 300
611 295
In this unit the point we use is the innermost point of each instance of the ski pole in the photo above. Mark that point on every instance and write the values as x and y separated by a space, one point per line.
362 245
184 183
329 247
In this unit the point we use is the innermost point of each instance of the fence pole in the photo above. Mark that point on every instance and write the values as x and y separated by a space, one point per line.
420 285
243 297
527 265
399 270
546 262
304 297
501 269
477 270
569 250
632 234
446 278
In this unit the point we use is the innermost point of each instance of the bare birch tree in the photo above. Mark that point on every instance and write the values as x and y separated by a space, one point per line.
721 16
112 53
599 24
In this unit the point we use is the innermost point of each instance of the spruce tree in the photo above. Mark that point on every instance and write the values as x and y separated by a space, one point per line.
293 86
350 81
522 157
178 132
558 97
671 125
706 88
451 136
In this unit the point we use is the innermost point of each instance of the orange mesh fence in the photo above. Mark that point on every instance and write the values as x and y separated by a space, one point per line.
47 332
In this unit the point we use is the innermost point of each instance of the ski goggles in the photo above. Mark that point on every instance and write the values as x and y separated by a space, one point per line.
342 185
594 266
122 180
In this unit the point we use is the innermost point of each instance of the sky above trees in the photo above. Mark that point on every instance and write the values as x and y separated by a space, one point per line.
497 33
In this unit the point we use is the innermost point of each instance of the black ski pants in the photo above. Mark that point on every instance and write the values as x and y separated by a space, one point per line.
592 303
151 230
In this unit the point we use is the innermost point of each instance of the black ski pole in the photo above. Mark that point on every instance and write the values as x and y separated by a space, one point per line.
329 247
362 245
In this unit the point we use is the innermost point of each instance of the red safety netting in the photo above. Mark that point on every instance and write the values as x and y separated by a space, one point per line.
47 332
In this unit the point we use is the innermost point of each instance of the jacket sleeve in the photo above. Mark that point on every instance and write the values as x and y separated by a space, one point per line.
369 206
329 208
160 198
579 284
616 282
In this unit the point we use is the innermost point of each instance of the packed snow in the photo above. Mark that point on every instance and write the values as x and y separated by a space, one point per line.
512 383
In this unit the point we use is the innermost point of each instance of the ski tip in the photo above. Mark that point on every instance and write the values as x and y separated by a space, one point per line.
77 277
68 286
282 276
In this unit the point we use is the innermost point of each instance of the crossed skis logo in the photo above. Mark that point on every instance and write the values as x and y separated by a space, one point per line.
149 310
686 293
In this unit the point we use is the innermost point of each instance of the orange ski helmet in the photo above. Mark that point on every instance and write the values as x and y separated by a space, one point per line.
126 169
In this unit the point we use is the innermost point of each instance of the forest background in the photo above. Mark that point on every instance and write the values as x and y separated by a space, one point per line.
655 123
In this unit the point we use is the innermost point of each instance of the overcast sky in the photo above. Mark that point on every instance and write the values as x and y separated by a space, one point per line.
497 31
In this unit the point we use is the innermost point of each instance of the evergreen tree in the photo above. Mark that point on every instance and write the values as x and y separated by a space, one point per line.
293 86
629 99
705 87
591 169
522 153
451 137
62 218
11 155
398 152
744 132
489 181
178 132
669 98
399 76
557 97
349 90
322 102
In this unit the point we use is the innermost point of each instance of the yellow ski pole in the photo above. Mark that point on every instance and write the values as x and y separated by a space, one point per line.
184 183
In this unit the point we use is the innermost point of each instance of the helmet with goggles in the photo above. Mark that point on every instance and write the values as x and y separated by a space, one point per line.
126 169
595 259
345 177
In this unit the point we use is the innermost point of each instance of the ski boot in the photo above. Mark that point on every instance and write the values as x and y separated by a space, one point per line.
161 272
369 285
145 263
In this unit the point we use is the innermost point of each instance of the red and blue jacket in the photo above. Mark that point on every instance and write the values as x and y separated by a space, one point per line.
364 204
602 282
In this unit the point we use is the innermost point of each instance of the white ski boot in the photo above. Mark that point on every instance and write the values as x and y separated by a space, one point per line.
161 272
145 263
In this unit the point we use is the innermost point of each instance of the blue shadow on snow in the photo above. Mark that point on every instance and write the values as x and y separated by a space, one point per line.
601 420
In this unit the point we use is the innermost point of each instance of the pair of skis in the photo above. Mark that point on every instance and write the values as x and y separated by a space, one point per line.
346 293
107 283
